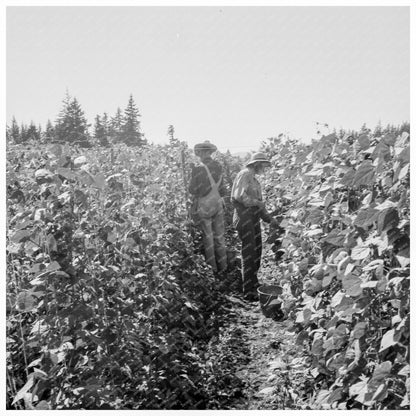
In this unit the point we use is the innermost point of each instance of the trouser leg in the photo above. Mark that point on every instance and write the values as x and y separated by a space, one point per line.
258 247
246 232
218 229
208 241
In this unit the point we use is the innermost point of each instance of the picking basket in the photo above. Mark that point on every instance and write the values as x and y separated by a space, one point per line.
269 299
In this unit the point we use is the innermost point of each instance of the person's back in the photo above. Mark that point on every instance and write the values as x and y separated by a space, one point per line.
200 184
208 188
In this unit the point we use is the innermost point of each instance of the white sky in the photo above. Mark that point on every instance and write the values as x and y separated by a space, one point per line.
233 75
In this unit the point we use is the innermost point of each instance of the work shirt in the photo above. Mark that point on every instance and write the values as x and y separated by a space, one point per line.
246 188
246 193
200 184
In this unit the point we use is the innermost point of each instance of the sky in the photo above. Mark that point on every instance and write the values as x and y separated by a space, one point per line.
231 75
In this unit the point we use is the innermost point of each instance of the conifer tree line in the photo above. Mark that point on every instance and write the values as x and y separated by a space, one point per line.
71 126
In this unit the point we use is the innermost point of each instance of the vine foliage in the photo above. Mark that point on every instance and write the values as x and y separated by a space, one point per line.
109 305
344 254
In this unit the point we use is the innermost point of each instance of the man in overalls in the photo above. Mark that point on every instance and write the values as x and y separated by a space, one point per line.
213 228
246 196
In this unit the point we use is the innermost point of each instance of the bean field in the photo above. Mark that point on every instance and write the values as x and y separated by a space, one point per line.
110 304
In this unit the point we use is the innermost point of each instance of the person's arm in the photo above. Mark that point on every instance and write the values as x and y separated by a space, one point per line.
195 183
265 216
221 188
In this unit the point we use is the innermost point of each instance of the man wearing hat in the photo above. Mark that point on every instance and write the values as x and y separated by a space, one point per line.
249 207
208 187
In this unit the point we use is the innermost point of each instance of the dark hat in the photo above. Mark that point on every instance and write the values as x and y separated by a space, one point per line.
258 157
206 145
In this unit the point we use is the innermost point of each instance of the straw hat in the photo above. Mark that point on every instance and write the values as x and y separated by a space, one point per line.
206 145
258 157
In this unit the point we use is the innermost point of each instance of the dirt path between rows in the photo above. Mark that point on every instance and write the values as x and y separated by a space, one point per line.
271 366
275 374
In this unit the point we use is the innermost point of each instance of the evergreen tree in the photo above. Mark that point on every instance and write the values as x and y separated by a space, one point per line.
14 132
131 127
106 124
23 133
32 133
116 125
49 134
40 132
71 125
364 129
100 133
98 128
378 130
171 134
59 123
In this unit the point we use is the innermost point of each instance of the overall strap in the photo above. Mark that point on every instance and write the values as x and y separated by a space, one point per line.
214 185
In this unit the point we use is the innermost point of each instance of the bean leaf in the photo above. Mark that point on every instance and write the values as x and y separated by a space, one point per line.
389 339
360 252
365 174
25 301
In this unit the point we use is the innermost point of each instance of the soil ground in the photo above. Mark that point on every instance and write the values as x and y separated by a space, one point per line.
273 368
274 374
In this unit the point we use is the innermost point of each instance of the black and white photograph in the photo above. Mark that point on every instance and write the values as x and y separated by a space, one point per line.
207 206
